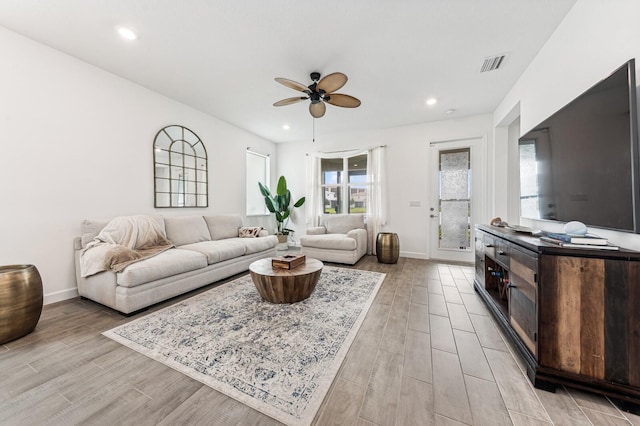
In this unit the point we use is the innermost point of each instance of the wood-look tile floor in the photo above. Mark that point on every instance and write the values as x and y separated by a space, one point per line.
428 353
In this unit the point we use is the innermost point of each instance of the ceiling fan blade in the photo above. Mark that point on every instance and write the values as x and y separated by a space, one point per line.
344 101
317 110
292 84
290 101
332 82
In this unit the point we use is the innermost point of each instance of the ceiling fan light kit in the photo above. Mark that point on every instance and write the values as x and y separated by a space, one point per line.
320 92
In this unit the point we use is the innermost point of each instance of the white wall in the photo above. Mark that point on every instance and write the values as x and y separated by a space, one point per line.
76 142
594 39
407 170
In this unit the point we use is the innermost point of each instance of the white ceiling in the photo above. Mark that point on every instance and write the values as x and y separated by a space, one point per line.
221 56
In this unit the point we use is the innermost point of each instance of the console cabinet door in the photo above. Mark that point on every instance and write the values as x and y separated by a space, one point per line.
590 317
480 264
523 293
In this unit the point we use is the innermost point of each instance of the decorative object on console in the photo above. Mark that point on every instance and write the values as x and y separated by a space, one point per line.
20 301
575 228
242 346
497 221
582 239
320 92
562 243
576 236
523 229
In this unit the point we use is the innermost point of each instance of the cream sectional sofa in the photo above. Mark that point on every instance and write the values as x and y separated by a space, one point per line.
207 249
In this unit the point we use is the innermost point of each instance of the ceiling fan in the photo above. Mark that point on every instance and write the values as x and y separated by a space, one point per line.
320 91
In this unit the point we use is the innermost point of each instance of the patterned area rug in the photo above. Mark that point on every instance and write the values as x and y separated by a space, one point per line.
277 359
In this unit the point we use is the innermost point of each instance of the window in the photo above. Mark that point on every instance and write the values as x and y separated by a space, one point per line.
258 170
528 180
180 168
344 184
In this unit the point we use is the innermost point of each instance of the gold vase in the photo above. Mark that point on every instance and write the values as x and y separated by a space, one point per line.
20 301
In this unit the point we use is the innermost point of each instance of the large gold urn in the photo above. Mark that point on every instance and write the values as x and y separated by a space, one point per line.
387 247
20 301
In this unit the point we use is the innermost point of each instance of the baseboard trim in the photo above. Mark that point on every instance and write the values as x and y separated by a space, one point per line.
59 296
414 255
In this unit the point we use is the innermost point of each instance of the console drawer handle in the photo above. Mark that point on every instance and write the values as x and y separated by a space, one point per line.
500 252
489 245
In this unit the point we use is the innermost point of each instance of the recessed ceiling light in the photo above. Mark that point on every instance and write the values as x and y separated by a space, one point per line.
431 101
127 33
450 111
286 127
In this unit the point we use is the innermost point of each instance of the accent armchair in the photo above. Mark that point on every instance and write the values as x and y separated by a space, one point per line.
341 238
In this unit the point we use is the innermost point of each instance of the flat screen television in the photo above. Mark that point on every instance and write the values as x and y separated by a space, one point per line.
582 163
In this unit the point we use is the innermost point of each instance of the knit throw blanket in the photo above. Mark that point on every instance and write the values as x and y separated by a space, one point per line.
125 240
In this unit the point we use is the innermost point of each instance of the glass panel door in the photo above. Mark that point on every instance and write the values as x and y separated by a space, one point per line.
455 198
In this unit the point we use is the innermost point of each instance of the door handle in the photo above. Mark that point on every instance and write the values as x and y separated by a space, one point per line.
433 215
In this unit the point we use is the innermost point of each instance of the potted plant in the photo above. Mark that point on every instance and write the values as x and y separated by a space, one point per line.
279 204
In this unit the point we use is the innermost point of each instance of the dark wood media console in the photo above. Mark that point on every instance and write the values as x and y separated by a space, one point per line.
572 314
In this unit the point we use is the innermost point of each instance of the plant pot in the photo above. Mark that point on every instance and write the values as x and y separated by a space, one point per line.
282 239
20 301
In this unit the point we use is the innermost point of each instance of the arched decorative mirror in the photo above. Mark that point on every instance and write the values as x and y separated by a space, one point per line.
180 168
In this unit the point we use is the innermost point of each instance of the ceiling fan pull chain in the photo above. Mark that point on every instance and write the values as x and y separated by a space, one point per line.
313 120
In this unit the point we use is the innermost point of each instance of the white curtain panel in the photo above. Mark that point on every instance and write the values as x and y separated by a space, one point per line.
314 200
376 196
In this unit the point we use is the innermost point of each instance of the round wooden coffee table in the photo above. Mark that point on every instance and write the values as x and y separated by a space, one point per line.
283 285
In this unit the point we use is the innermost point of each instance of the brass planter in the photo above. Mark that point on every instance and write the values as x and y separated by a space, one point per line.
20 301
387 247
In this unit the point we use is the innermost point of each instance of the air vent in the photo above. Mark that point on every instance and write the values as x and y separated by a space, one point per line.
492 63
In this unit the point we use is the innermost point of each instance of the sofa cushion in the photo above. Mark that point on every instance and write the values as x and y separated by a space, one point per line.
218 251
223 225
183 230
168 263
255 245
342 223
329 241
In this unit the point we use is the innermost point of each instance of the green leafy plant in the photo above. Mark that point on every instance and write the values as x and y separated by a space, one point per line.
279 204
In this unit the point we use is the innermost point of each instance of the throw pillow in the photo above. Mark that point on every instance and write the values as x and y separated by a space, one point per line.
249 231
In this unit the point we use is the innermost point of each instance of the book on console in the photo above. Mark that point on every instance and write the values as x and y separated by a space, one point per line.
589 239
562 243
